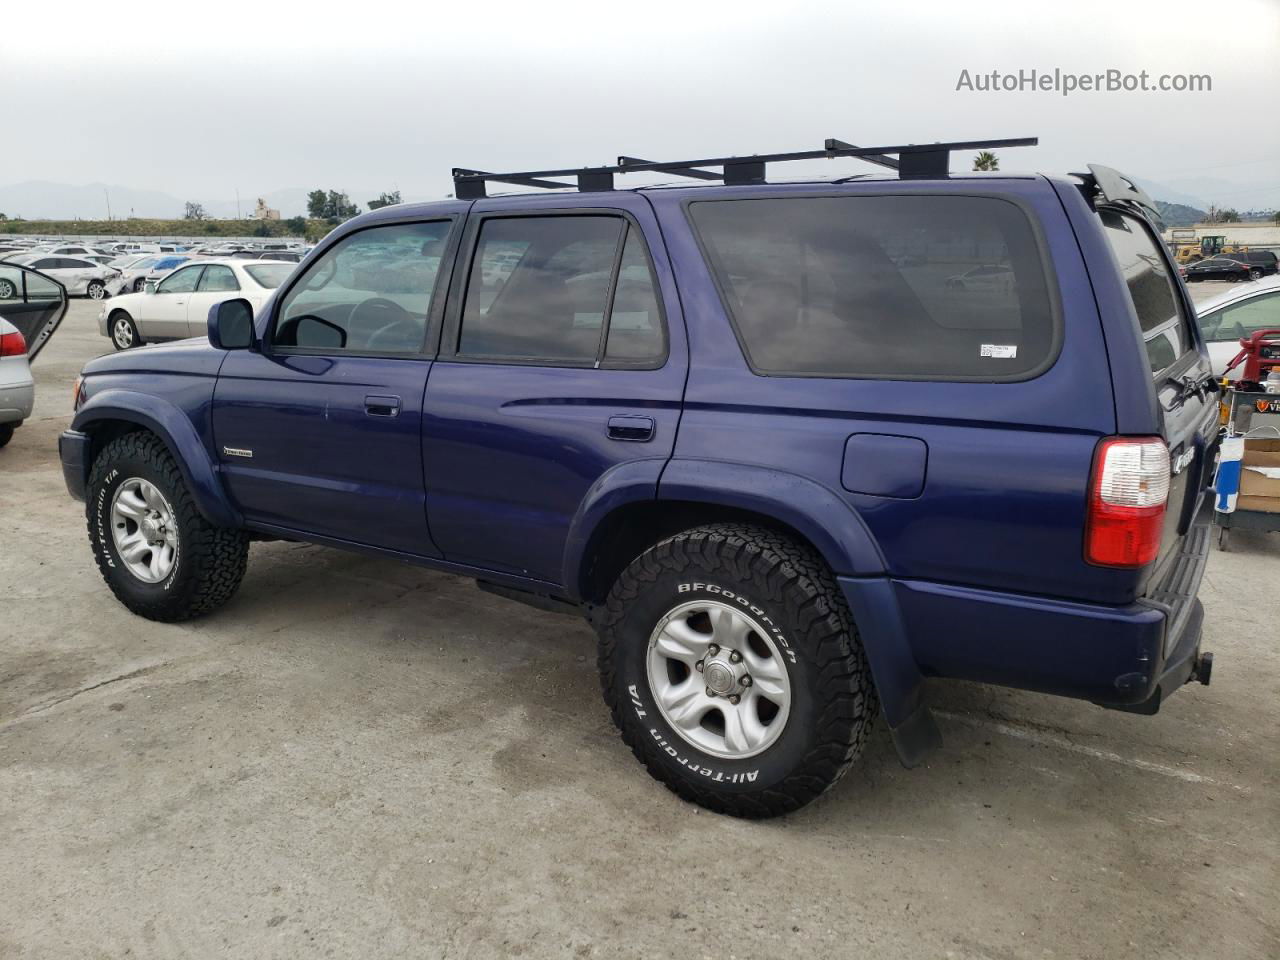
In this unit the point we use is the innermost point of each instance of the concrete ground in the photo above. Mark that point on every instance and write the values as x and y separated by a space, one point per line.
357 758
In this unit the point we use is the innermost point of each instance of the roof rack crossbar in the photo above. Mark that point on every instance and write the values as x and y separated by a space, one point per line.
914 160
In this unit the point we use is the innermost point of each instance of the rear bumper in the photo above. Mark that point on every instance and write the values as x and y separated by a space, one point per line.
1129 657
16 401
73 450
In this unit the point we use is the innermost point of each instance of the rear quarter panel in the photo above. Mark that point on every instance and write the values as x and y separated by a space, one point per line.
1003 501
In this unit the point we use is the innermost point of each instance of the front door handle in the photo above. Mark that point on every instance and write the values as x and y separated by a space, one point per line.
382 406
631 428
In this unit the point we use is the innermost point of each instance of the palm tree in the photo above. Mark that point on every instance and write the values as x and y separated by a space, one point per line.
986 160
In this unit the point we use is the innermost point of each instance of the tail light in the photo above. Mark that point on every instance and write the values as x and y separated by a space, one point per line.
12 344
1128 494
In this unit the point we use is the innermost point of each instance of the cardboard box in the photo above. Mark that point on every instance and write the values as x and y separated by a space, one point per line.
1263 492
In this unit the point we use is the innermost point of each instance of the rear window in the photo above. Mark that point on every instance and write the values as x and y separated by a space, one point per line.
269 275
1165 329
919 287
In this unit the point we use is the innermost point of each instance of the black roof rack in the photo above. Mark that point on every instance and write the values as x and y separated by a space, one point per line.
911 160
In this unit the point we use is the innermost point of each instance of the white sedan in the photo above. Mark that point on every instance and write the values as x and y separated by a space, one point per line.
1239 311
80 277
178 306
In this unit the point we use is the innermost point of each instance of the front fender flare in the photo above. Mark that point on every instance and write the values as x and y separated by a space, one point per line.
172 426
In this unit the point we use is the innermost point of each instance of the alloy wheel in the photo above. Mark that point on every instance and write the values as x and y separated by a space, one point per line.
718 679
144 530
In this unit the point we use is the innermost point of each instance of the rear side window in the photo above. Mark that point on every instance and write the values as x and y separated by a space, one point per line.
921 287
566 289
1165 329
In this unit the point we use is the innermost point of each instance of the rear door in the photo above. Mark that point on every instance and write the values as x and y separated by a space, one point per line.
1187 419
563 359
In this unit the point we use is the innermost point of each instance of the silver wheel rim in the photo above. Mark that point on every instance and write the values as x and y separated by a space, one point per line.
718 679
122 332
6 290
144 530
96 290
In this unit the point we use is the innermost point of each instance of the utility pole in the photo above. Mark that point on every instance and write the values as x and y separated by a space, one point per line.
106 194
237 203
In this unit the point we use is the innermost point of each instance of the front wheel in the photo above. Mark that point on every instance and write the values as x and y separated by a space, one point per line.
160 557
123 333
731 665
97 290
7 290
6 433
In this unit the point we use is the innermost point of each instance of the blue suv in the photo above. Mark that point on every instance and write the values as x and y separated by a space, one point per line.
792 448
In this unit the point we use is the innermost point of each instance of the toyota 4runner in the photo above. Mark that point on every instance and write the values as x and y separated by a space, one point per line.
791 448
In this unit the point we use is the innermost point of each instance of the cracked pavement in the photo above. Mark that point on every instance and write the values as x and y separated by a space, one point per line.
357 758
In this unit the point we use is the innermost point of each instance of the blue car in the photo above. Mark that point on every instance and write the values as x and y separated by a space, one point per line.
791 448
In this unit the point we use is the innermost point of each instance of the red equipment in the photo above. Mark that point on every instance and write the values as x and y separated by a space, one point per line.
1260 353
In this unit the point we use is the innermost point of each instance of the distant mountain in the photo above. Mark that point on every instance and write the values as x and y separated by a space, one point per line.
36 199
1179 214
1203 192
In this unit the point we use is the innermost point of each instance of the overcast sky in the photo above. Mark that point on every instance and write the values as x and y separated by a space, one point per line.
199 99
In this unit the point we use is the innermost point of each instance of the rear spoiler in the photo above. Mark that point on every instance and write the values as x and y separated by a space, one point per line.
1108 186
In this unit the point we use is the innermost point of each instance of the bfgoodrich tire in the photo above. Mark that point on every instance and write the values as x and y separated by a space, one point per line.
158 555
733 670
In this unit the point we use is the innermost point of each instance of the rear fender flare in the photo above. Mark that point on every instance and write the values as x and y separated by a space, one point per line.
172 426
816 512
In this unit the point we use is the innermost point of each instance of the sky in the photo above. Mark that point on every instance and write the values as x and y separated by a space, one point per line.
201 100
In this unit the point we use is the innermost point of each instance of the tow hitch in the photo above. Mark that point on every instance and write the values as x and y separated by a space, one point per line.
1203 669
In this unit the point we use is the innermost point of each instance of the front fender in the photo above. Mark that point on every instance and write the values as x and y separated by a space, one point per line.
172 426
827 521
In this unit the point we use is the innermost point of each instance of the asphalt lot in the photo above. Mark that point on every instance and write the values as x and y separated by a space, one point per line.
357 758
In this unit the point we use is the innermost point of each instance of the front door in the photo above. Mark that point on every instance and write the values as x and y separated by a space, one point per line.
320 432
217 283
163 315
563 358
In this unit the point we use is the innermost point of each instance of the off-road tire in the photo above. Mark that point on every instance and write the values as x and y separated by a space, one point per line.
211 560
833 698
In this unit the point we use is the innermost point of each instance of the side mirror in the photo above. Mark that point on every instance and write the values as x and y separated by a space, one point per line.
231 325
149 286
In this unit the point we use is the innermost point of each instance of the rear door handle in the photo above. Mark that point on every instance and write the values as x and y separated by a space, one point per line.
631 428
382 406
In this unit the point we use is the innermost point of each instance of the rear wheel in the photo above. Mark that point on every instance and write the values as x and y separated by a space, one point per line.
1255 274
97 290
6 433
160 557
7 290
139 285
731 665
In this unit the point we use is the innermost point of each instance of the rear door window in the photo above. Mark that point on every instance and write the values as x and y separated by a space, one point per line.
902 287
1166 331
574 290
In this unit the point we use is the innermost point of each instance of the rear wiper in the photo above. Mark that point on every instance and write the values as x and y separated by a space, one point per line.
1189 385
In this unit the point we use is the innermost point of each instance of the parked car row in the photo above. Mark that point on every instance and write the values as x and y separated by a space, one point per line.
1253 265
